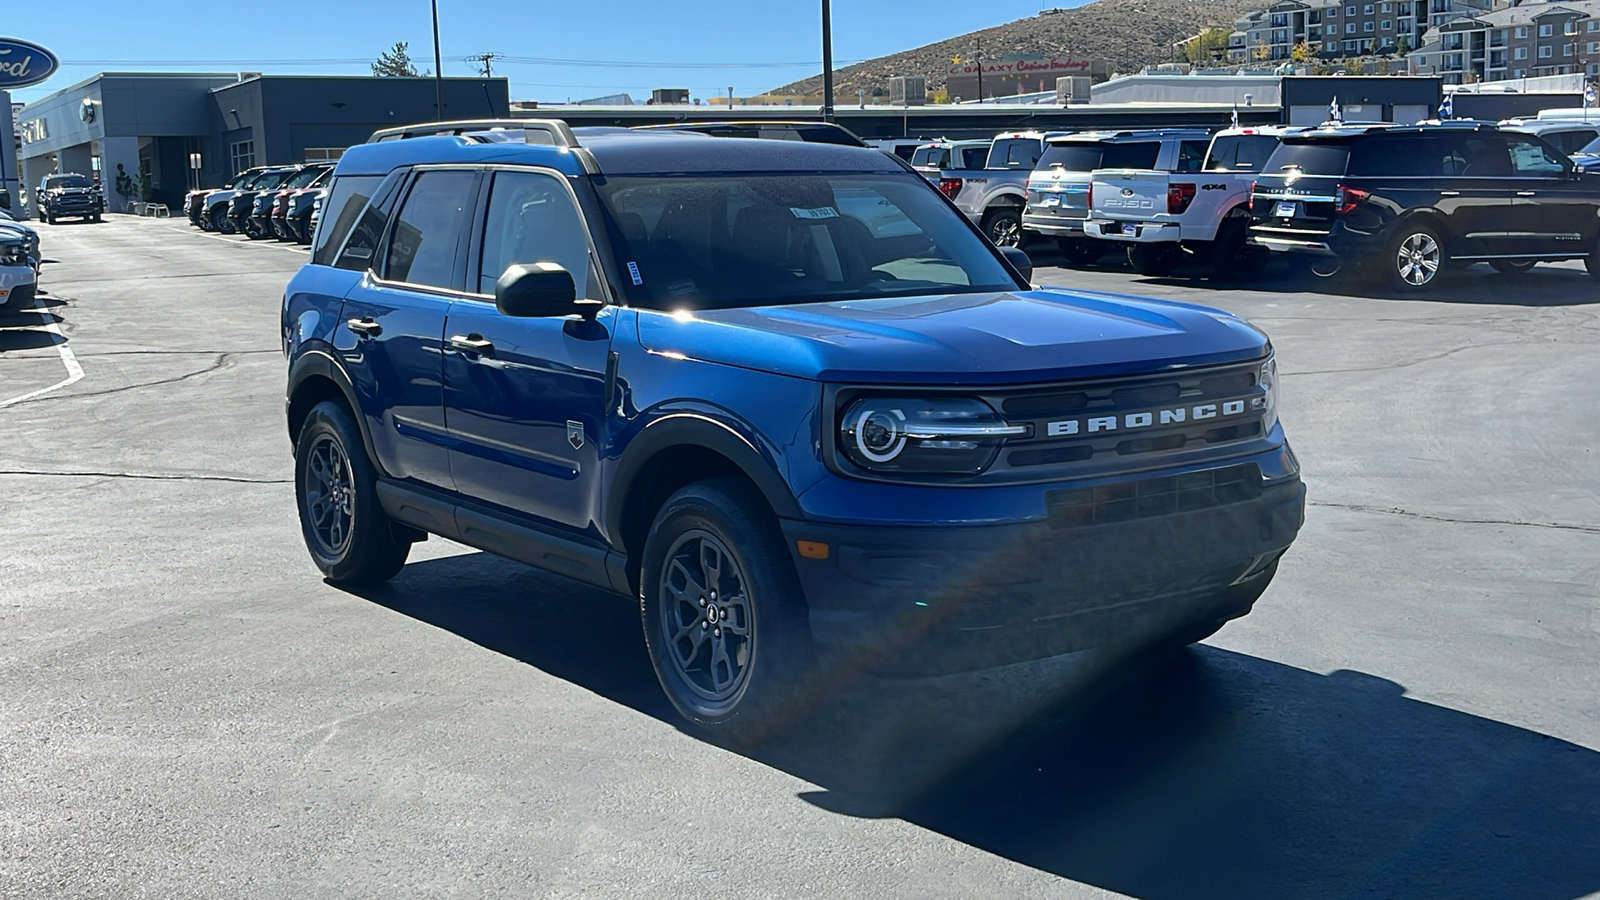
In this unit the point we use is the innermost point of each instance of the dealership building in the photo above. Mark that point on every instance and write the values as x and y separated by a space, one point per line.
183 131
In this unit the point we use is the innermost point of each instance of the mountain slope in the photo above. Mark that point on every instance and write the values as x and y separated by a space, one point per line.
1126 33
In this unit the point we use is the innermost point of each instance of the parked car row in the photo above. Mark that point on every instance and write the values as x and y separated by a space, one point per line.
1401 201
264 202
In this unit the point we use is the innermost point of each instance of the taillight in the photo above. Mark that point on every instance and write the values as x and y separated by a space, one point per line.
1179 196
950 187
1251 203
1346 199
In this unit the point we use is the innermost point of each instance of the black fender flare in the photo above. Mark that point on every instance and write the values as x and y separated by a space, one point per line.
694 428
320 362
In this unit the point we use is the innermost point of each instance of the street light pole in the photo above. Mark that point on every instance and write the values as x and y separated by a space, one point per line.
438 66
827 62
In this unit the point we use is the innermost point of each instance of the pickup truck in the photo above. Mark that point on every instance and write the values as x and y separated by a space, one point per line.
994 196
932 159
1168 217
1058 190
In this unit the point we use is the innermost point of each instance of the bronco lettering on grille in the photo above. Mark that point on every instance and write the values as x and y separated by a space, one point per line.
1128 421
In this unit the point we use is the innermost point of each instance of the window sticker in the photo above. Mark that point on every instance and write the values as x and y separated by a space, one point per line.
633 271
823 212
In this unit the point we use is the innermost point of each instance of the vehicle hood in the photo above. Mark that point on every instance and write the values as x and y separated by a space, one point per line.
1006 338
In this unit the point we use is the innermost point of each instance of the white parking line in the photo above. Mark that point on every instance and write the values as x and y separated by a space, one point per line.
227 239
68 359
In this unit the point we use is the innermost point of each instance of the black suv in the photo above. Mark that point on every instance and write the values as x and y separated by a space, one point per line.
1414 199
70 195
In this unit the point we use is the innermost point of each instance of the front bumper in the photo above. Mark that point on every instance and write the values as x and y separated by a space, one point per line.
1143 232
18 286
930 599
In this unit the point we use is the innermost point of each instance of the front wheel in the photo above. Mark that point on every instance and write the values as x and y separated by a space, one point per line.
1415 257
724 617
351 539
1003 227
1155 260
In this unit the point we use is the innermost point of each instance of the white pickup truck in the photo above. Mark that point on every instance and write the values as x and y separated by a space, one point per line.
1058 190
993 196
1168 218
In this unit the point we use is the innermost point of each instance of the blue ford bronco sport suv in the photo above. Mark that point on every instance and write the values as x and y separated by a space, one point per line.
782 393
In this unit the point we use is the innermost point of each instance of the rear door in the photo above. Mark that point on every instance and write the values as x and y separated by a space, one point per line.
391 336
524 398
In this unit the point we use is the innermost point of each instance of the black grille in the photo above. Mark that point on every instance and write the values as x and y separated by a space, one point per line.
1150 497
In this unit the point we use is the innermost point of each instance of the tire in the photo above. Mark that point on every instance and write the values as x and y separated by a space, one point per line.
1592 261
49 218
1081 251
220 221
1155 260
1512 267
353 541
1003 226
1414 257
1233 257
691 620
97 218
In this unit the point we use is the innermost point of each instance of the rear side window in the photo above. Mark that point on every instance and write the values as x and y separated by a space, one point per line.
1083 157
428 230
1413 156
1131 155
1014 153
347 197
974 157
1533 159
1309 157
930 156
1240 152
1190 155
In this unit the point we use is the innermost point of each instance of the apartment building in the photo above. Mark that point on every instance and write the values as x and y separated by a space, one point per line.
1331 29
1542 37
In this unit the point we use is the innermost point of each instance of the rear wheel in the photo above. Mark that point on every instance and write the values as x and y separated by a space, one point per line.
1233 257
1155 260
1081 251
1513 266
1415 257
724 617
351 539
1003 226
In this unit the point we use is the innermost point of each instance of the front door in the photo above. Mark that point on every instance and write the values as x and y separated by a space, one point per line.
1552 212
524 398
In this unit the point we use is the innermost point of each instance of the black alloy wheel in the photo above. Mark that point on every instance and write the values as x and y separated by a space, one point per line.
351 539
220 221
723 614
1003 227
1081 251
1155 260
1513 266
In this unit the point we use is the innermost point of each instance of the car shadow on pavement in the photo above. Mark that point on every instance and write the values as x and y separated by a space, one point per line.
25 338
1199 773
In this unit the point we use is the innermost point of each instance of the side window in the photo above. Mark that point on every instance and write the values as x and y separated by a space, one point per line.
532 218
1477 156
974 157
1190 155
1533 159
1570 142
1140 155
429 229
347 198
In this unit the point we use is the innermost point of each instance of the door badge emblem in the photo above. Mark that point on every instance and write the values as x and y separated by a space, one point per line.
575 434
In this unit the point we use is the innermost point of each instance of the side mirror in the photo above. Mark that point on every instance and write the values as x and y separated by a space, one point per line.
1019 261
540 291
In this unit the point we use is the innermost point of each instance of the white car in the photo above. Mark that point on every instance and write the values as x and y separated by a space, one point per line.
19 280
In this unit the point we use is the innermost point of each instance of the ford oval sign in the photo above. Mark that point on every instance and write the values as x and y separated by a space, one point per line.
22 63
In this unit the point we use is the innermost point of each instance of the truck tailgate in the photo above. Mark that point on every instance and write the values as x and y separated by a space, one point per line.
1138 194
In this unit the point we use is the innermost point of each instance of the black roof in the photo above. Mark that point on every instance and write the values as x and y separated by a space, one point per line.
673 152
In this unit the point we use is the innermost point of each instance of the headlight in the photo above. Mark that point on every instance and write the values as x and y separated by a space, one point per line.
949 436
1268 401
13 255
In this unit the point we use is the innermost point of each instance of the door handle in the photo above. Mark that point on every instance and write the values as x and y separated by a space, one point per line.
1525 193
472 343
364 327
1449 193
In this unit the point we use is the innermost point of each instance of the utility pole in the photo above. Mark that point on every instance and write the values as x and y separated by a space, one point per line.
827 62
484 61
980 70
438 65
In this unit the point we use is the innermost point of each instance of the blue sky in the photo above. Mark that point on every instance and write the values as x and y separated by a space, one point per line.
773 43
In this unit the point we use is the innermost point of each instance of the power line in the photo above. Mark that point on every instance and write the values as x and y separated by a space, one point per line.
484 61
518 60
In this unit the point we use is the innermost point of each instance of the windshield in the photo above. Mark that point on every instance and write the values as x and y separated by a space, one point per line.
1081 157
66 181
269 180
931 157
728 241
1310 157
303 178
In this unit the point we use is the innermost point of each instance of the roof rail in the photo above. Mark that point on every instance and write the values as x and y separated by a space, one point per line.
551 132
805 131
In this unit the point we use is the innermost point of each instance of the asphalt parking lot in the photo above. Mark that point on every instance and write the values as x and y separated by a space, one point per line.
189 711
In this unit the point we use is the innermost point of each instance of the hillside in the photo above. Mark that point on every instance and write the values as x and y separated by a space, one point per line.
1126 33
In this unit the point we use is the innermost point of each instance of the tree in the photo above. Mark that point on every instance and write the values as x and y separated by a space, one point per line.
1261 51
396 61
1402 46
1206 46
1301 53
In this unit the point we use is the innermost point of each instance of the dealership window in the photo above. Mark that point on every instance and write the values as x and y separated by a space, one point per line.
1566 49
1333 12
1367 10
1594 68
243 154
323 154
1571 27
